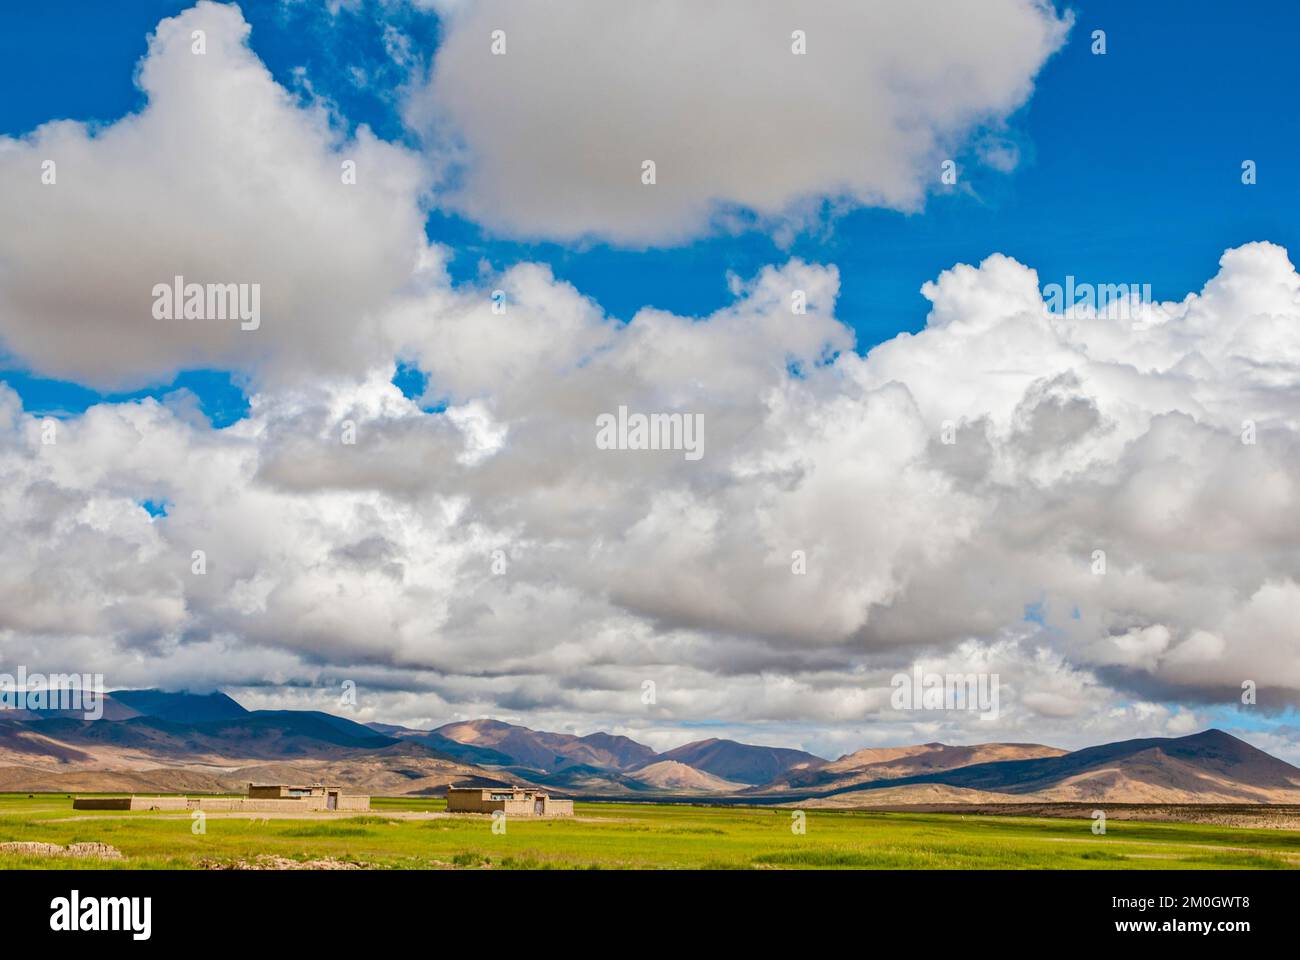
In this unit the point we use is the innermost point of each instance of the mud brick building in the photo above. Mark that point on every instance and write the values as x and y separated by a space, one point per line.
513 801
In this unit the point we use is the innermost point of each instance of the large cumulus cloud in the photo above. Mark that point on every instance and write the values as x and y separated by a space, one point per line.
222 177
549 138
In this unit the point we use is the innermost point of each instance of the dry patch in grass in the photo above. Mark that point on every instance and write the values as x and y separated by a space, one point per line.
268 862
99 851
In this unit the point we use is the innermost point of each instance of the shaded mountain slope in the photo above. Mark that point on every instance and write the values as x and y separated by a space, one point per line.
890 763
548 752
1211 766
742 762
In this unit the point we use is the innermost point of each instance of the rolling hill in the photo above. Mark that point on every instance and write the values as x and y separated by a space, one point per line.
150 753
891 763
1207 767
182 707
673 776
742 762
150 740
549 752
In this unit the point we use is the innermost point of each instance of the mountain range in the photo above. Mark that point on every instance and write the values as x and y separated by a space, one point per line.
157 741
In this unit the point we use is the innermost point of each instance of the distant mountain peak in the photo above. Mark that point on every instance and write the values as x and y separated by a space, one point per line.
180 706
548 752
741 762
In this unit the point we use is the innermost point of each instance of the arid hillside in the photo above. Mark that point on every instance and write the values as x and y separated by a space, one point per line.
151 741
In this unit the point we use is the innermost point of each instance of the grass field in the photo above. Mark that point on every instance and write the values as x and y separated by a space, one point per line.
406 833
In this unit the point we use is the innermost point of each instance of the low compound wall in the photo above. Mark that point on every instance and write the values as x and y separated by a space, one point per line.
121 803
232 804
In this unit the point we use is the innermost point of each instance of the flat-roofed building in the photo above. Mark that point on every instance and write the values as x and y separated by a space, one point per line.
313 797
512 801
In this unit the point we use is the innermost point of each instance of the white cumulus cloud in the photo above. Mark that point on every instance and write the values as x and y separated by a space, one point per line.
548 140
222 177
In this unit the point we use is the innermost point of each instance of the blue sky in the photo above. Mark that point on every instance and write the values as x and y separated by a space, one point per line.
1130 163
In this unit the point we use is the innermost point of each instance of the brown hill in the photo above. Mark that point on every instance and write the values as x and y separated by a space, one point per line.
389 775
144 754
671 776
218 746
153 780
742 762
891 763
1208 767
549 752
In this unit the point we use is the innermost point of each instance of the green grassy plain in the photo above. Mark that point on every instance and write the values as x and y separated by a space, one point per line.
621 836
